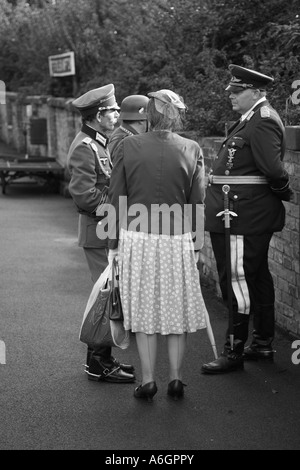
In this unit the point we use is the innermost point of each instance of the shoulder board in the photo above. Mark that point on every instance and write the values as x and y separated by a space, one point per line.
249 116
87 140
94 147
265 112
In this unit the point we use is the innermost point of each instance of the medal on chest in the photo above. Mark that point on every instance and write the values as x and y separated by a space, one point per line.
230 158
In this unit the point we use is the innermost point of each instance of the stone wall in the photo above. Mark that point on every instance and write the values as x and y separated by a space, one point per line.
18 114
62 125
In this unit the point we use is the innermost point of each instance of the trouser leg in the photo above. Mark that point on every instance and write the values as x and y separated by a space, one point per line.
104 353
253 288
263 289
240 321
97 261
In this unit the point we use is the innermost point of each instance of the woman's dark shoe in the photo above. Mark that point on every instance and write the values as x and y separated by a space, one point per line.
175 389
146 391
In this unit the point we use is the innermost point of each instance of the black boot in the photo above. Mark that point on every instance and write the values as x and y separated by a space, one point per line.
263 334
126 367
88 358
231 358
256 352
99 371
227 362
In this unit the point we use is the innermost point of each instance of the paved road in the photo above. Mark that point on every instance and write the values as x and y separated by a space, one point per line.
46 401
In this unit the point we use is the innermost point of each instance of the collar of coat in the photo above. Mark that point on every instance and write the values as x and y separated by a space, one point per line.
239 124
95 135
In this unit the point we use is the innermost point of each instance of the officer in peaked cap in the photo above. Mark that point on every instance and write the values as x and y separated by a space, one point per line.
243 78
89 164
133 117
250 164
99 99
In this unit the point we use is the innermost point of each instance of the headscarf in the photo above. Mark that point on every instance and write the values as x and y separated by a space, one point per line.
167 103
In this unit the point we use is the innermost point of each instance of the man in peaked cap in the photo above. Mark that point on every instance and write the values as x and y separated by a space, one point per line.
90 166
250 163
133 117
243 78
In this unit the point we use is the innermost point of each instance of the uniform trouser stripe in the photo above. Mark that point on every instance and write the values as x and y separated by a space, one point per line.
238 280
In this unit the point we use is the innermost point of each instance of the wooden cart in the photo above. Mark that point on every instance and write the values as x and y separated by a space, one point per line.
45 170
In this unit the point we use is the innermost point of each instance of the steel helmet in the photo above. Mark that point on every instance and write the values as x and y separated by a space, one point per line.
133 108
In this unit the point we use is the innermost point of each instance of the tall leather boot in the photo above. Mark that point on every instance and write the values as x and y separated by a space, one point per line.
231 359
263 334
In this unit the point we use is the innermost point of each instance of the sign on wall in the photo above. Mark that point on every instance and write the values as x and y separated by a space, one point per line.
62 65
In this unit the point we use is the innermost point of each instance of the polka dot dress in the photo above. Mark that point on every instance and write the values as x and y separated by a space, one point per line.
159 284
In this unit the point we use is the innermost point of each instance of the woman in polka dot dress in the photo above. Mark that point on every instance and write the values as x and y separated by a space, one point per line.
157 191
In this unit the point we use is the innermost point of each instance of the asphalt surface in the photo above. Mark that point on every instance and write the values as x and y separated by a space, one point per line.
46 401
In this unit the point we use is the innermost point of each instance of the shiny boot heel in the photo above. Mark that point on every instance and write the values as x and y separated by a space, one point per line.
175 389
146 391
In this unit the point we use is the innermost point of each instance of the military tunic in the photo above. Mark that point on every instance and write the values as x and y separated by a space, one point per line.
117 136
254 147
89 165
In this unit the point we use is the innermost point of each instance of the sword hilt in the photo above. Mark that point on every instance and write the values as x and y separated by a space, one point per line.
226 212
226 189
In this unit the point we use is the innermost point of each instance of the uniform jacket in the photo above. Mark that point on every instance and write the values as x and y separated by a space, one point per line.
119 134
87 180
156 168
254 146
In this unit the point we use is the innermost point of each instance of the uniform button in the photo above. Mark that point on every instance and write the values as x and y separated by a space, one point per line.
223 145
235 196
233 143
227 172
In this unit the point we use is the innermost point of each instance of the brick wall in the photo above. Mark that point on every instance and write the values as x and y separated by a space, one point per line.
62 125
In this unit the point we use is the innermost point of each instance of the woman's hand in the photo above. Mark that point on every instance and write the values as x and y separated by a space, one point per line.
112 254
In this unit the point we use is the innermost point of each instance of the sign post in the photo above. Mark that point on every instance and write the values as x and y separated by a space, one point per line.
63 65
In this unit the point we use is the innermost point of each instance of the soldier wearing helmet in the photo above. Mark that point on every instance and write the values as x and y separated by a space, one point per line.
133 119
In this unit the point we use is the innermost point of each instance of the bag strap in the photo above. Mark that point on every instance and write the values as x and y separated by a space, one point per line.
115 272
114 277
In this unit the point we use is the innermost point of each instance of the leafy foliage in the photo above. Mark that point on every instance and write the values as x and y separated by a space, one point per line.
144 45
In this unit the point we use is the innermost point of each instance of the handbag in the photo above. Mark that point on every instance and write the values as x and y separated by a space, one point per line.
97 329
114 301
